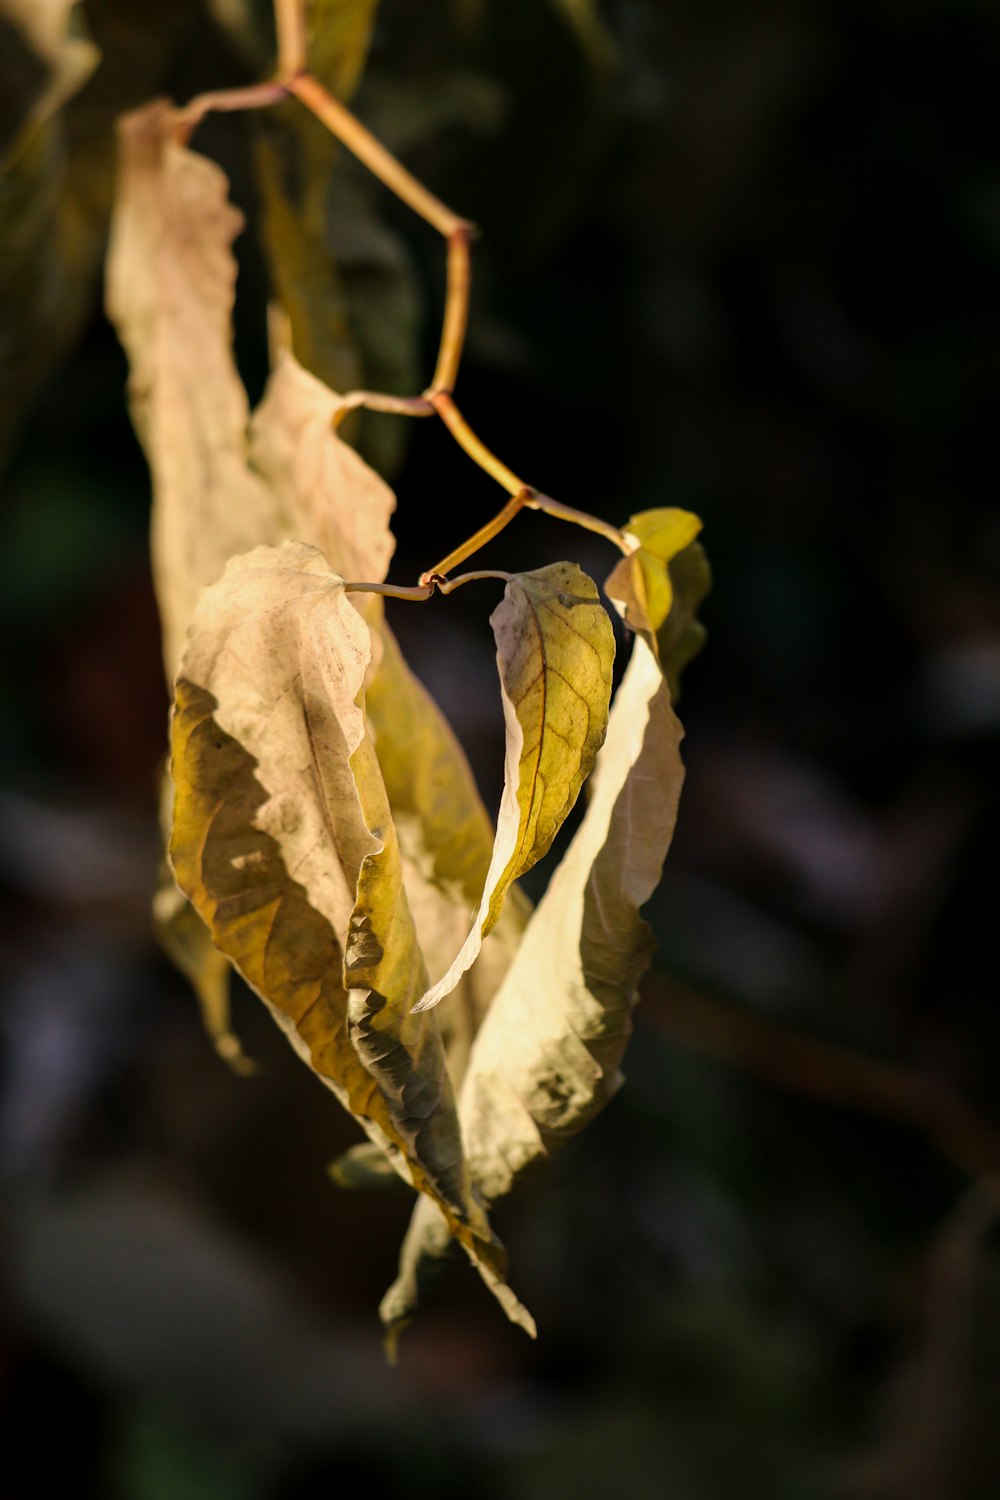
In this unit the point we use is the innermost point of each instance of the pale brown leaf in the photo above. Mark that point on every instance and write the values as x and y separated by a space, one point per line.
170 288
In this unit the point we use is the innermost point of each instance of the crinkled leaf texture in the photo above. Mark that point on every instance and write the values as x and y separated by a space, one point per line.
284 842
546 1057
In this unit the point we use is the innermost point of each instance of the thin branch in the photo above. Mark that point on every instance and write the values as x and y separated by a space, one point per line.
293 79
392 590
824 1070
369 149
482 536
290 30
400 406
582 518
473 445
255 96
449 585
456 311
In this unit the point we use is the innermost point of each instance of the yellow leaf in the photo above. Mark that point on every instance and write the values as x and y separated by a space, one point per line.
555 651
284 842
546 1057
188 944
640 584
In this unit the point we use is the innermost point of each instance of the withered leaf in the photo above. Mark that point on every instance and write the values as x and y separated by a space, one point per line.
546 1057
284 842
555 652
222 484
324 492
170 288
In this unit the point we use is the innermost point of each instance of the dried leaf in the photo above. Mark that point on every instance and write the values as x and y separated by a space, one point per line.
222 484
555 650
324 492
171 280
546 1058
284 842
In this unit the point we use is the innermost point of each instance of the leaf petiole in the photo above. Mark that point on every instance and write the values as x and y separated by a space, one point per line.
581 518
481 537
448 585
392 590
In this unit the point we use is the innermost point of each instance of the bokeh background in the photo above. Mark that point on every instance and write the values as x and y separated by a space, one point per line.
741 259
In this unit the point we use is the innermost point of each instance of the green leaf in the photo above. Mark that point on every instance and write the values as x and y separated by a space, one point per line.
284 842
546 1058
555 652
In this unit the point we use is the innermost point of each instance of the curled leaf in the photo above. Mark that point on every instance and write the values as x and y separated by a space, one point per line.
546 1057
170 288
323 491
640 584
283 841
682 635
555 651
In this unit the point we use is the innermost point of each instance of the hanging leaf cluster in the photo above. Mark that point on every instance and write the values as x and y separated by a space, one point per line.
324 833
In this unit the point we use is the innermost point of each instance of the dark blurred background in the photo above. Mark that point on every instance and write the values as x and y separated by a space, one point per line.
740 259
